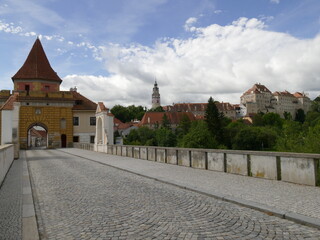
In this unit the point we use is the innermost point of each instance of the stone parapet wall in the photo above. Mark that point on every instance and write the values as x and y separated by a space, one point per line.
6 159
297 168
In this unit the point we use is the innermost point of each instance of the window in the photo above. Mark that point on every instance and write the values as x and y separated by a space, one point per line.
46 88
75 121
75 138
27 88
91 139
92 121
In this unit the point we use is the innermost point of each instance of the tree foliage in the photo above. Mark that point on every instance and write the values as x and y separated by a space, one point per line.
213 119
269 132
198 137
127 114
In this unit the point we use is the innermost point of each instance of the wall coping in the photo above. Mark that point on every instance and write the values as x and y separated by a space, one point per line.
5 146
257 153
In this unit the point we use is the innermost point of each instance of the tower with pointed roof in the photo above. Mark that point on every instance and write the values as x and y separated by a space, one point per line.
36 74
155 96
36 102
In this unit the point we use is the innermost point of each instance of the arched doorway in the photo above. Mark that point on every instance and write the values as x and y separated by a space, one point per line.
63 140
37 136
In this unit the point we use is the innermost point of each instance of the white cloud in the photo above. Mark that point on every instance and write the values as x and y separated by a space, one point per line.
218 61
275 1
217 11
9 28
188 26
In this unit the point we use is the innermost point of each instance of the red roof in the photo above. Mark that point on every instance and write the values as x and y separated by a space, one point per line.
173 117
102 106
37 66
82 103
285 93
8 105
257 88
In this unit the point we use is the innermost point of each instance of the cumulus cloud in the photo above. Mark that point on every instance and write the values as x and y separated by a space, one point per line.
217 61
188 26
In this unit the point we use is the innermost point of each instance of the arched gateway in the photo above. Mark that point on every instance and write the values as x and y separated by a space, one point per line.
38 114
37 136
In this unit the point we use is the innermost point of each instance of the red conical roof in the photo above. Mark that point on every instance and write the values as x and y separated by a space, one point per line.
37 66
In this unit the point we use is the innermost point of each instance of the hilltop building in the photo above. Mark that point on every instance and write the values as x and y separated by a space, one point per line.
155 96
37 103
260 99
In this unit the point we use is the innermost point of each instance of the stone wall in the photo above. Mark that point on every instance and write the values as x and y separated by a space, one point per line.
6 159
290 167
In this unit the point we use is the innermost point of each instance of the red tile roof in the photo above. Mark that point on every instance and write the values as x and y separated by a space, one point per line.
173 117
8 105
285 93
82 103
300 95
102 107
37 66
257 88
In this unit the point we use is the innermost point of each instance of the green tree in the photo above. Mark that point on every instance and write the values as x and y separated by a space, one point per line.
312 118
198 137
257 119
291 138
165 122
120 112
287 115
165 137
157 109
213 118
126 114
315 105
255 138
272 119
300 116
231 131
184 126
312 140
141 136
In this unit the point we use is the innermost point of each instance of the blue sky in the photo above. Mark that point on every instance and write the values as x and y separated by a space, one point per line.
113 50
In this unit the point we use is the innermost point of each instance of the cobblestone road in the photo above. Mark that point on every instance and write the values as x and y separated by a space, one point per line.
80 199
11 203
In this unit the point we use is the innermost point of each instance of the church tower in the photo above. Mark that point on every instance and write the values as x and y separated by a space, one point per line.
155 96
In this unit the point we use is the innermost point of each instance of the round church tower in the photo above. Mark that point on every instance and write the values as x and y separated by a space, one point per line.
155 96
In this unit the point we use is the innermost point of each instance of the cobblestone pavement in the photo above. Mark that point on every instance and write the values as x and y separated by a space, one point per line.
80 199
288 197
11 203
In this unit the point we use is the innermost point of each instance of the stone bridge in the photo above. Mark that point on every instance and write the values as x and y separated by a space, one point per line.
80 194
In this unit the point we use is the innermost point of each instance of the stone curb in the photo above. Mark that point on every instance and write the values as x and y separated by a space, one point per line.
295 217
29 223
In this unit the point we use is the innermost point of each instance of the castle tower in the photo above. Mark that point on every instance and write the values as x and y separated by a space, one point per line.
36 74
155 96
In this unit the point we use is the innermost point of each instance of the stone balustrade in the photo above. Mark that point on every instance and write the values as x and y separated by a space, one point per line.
298 168
6 159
